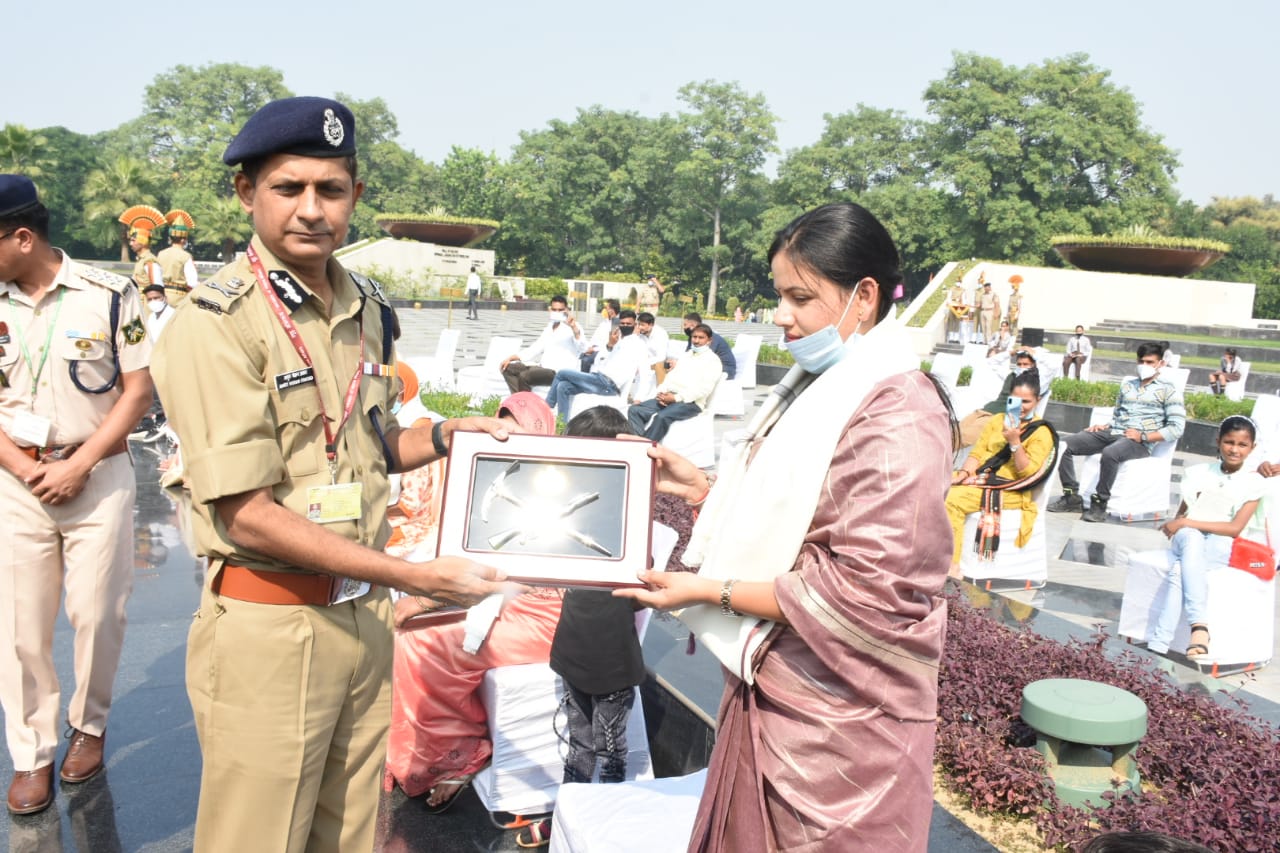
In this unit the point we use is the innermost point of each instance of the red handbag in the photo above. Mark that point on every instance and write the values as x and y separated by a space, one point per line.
1253 557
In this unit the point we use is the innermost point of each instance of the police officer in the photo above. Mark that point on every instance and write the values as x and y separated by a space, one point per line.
277 375
177 266
73 380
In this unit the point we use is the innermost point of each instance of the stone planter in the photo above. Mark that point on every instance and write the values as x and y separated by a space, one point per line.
1199 437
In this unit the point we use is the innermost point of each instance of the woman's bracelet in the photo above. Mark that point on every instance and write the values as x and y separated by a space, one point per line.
726 594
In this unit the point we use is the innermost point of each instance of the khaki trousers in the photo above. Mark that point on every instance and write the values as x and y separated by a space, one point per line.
85 549
291 707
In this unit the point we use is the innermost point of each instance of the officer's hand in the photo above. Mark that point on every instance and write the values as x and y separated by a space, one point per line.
496 427
457 580
58 482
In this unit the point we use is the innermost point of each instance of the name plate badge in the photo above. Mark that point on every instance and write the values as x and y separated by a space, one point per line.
294 378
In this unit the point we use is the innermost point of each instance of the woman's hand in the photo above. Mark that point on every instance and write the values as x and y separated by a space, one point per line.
1173 526
1012 434
673 590
676 475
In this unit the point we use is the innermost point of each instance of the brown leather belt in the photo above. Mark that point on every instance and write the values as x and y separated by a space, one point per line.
261 586
66 451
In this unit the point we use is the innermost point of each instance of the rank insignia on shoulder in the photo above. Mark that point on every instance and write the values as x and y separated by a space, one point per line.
208 305
289 291
103 277
134 331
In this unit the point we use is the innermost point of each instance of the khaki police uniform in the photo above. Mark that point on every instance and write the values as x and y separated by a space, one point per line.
291 701
147 270
87 540
173 268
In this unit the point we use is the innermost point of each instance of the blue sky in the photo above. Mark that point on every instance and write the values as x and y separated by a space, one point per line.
475 75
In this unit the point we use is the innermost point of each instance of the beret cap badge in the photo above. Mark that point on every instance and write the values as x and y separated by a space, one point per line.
333 130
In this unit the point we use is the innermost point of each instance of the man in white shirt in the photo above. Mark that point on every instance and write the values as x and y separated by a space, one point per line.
614 367
473 293
685 391
600 338
1078 351
657 338
557 348
159 311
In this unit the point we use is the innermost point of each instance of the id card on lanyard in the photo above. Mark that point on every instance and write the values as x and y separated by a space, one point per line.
336 501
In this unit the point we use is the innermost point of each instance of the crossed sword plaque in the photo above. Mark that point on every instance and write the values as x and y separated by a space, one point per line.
498 491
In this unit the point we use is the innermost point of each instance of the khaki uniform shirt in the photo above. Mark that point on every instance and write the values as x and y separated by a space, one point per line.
80 342
240 433
147 270
648 298
173 267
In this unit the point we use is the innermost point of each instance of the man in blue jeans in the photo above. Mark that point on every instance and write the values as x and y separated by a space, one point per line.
1148 410
685 391
613 368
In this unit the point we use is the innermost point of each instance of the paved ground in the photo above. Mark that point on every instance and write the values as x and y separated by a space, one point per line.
145 801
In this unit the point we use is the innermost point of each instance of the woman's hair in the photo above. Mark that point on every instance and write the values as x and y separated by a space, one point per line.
1141 842
599 422
1238 422
843 243
1231 351
1030 378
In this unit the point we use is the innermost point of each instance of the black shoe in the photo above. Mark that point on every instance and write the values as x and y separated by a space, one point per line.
1068 502
1097 511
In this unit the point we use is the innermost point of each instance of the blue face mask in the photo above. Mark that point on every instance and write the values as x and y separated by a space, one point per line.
396 406
816 353
703 348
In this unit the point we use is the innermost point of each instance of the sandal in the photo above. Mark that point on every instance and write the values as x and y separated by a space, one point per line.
461 783
539 835
1196 651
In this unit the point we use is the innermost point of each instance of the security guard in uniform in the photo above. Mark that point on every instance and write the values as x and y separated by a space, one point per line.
278 376
142 220
177 266
73 381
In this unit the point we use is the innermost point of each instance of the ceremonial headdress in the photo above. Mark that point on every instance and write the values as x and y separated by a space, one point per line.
410 379
17 195
180 223
1015 279
142 219
311 127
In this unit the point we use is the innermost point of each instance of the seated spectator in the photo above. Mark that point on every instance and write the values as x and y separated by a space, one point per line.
600 337
972 424
615 366
559 347
1079 349
648 329
1219 500
1002 341
1228 371
685 391
718 344
1011 456
1148 410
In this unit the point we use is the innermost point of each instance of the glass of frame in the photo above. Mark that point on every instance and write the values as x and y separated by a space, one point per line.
550 510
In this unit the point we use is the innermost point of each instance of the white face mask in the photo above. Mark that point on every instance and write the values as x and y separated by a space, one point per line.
1146 371
157 305
700 348
555 316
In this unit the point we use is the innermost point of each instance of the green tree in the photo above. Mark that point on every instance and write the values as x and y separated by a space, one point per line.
225 224
24 151
1042 150
62 188
193 113
728 134
110 189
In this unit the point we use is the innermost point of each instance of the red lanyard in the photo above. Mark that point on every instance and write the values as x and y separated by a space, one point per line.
295 338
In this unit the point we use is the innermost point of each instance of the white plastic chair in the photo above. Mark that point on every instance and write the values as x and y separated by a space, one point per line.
486 380
582 402
1235 390
1013 567
975 354
695 438
436 371
1141 486
746 352
1266 414
946 366
641 817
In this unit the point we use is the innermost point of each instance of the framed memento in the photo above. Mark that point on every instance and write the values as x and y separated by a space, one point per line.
550 510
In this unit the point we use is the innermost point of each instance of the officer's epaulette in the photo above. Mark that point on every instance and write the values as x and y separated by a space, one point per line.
109 280
218 295
370 288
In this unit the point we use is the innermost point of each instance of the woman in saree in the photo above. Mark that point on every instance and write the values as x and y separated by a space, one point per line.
823 549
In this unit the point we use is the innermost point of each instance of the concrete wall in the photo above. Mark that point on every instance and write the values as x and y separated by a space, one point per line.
428 263
1060 299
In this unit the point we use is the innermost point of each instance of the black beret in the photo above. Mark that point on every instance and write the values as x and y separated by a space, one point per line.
311 127
17 194
154 288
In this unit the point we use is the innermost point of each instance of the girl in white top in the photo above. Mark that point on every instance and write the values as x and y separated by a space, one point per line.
1218 502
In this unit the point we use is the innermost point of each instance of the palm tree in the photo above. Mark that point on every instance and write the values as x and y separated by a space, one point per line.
108 191
224 220
20 151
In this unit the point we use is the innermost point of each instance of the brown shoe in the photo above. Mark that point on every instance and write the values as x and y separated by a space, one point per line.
84 757
31 791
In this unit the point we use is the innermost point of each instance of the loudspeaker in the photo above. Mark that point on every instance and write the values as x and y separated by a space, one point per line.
1032 337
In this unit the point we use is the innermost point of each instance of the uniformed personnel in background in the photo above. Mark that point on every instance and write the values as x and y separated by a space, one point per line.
177 266
73 381
281 390
142 220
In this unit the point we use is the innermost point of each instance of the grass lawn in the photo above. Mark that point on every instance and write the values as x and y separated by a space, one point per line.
1194 360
